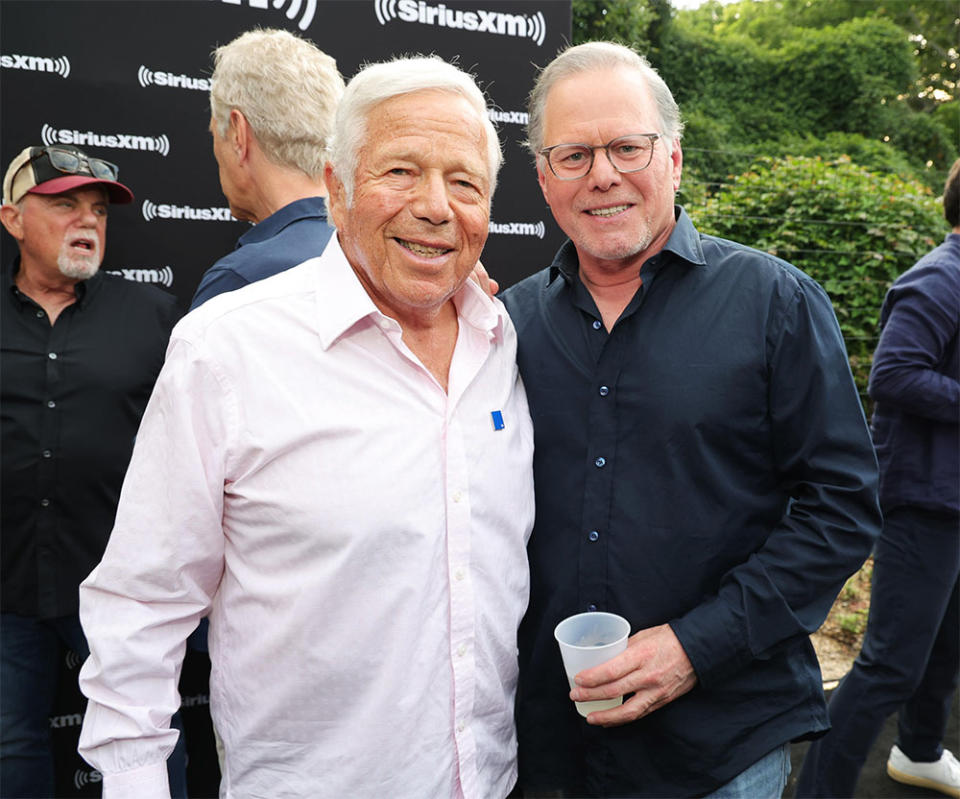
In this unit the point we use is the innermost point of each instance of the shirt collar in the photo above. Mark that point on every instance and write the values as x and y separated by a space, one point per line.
342 301
304 208
683 242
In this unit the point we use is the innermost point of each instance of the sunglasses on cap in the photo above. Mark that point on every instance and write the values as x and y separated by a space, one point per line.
58 161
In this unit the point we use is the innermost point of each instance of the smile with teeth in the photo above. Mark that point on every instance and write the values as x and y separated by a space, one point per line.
615 209
422 249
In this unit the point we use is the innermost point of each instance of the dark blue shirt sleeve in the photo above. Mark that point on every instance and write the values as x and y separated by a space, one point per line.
919 328
824 458
216 281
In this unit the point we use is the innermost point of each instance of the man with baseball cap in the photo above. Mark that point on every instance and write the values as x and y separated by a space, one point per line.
79 353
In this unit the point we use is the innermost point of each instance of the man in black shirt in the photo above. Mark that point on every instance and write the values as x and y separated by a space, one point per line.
79 353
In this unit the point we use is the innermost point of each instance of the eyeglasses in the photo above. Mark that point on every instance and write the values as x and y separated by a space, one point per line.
69 163
631 153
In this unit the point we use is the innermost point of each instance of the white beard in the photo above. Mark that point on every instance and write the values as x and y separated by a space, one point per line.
78 265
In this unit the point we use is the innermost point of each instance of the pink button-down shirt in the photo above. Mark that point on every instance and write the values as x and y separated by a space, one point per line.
357 534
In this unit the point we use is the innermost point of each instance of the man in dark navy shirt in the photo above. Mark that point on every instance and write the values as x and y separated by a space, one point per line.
702 463
911 651
79 354
272 99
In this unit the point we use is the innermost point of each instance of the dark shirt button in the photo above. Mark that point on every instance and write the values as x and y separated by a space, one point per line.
594 535
47 453
51 404
604 391
52 356
597 324
600 462
44 502
39 314
591 607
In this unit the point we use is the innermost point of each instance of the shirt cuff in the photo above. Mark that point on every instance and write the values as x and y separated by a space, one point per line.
145 782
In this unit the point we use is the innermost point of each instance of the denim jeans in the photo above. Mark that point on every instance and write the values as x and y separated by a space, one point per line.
909 658
31 651
765 779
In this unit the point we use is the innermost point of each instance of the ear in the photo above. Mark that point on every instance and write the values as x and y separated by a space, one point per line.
239 134
12 220
542 179
677 159
336 196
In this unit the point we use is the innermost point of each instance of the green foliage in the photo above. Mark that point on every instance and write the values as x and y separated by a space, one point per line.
625 21
852 230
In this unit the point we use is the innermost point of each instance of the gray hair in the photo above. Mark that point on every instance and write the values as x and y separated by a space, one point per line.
376 83
601 56
286 88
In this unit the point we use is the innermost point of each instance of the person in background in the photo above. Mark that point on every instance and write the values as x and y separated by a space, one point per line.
79 353
272 101
702 463
336 464
910 658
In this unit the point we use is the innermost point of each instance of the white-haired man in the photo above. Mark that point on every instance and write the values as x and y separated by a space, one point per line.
336 463
272 102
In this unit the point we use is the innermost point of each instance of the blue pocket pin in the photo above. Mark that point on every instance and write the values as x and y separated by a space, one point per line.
497 420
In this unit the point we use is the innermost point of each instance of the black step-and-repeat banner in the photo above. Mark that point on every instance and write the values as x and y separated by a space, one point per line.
128 80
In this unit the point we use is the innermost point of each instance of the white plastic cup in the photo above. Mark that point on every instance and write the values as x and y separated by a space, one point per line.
587 640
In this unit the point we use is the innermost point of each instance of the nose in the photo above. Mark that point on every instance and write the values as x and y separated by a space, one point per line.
431 201
602 174
88 215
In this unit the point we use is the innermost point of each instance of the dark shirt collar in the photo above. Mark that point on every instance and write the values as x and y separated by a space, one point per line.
684 242
278 220
85 290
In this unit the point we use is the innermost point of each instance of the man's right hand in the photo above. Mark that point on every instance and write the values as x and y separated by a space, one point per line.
483 280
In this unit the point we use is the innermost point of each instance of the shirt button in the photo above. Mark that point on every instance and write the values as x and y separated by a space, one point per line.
458 574
47 453
44 503
457 496
591 607
597 324
461 650
600 462
604 391
40 314
461 726
52 356
594 535
51 404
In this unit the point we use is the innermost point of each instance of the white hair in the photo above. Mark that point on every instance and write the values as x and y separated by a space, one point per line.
593 56
286 89
376 83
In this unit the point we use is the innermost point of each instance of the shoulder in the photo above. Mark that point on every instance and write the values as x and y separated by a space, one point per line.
147 295
524 294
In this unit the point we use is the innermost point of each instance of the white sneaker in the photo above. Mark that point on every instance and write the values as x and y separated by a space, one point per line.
942 775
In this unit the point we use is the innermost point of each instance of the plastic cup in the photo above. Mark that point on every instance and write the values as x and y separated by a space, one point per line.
587 640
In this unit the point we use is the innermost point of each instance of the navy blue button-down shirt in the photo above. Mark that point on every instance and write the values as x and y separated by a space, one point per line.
288 237
722 480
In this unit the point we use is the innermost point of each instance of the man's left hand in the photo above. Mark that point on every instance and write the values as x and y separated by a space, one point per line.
654 668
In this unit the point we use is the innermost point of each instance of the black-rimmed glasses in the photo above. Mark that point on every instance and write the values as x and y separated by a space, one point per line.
69 162
631 153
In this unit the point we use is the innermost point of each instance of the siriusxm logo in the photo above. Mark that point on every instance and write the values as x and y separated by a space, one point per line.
309 8
518 228
525 26
149 77
82 778
162 276
33 63
511 117
62 722
122 141
153 211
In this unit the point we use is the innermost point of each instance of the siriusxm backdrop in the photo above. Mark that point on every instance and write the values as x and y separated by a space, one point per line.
128 81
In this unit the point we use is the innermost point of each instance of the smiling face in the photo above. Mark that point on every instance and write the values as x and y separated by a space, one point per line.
61 234
616 221
421 202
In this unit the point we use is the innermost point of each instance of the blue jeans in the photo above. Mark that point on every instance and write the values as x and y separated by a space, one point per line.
909 659
765 779
31 651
